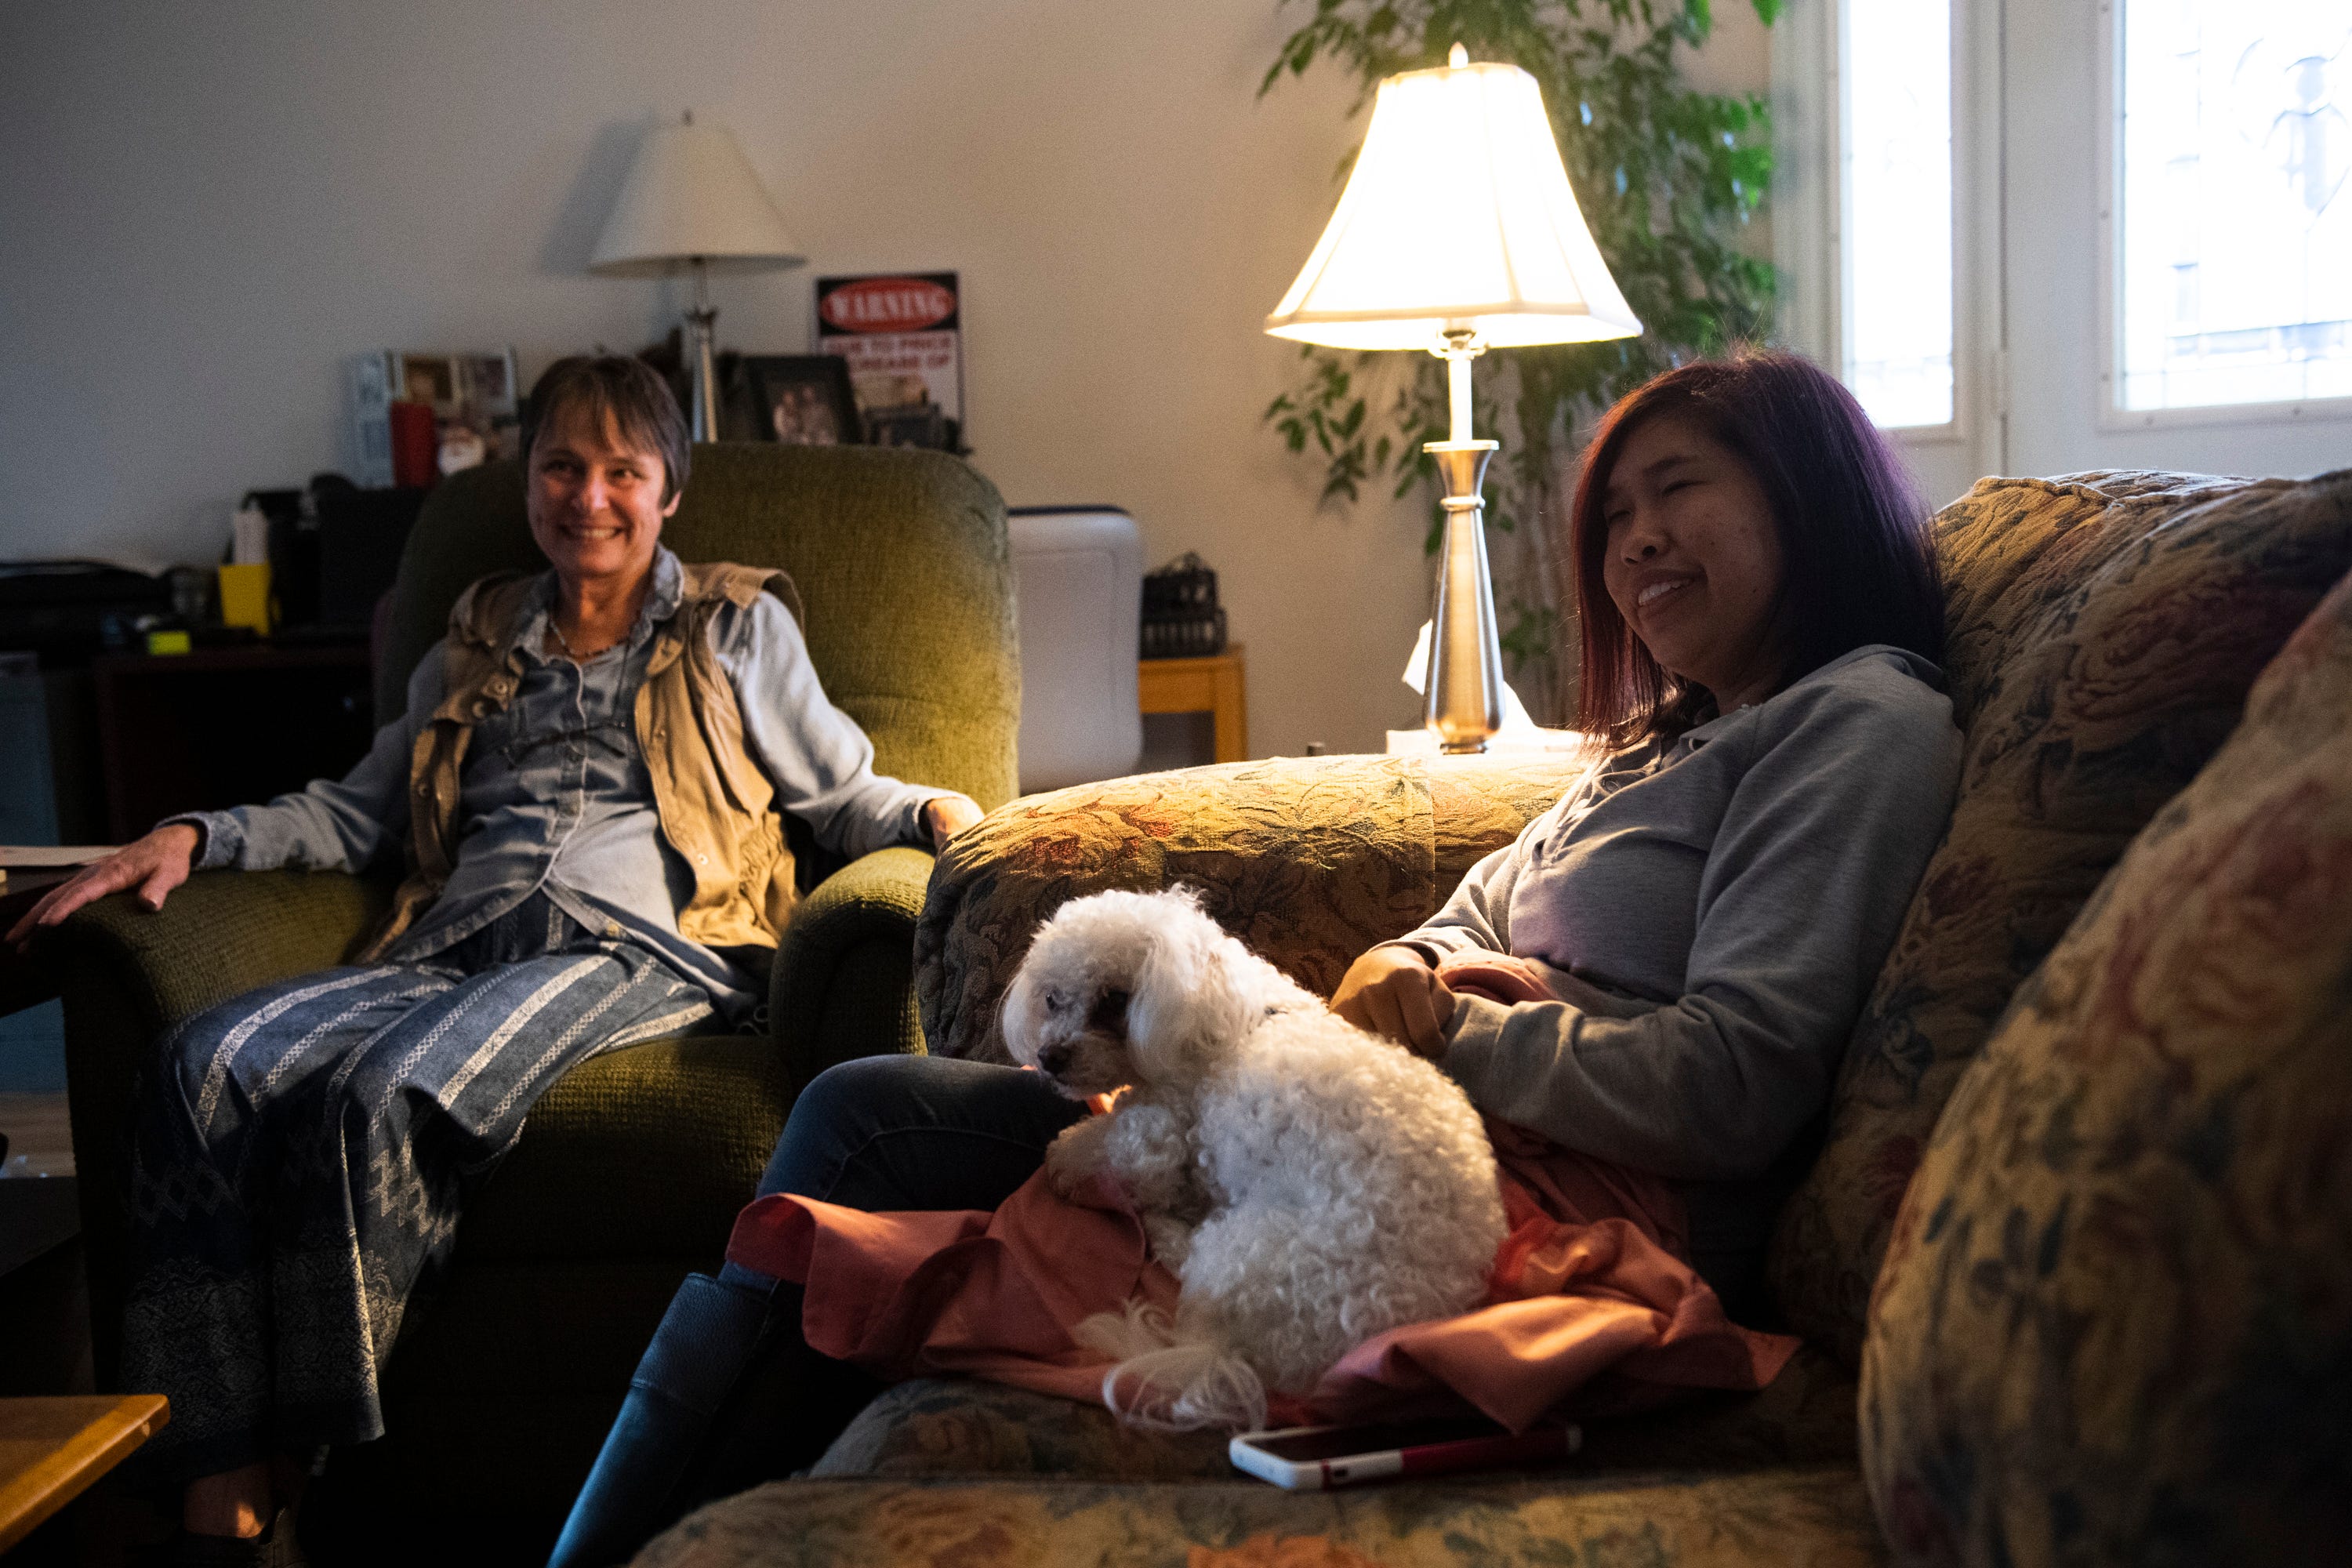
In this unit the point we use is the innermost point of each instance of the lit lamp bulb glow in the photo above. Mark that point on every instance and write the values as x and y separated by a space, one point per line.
1457 233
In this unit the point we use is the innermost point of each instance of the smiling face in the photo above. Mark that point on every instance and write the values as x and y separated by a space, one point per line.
595 502
1693 563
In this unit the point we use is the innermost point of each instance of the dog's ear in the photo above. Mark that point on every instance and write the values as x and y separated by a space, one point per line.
1017 1020
1185 1008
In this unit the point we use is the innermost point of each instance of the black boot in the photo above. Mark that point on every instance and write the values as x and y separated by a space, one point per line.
707 1337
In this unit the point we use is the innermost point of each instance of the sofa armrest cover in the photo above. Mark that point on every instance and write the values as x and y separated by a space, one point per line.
1309 860
842 983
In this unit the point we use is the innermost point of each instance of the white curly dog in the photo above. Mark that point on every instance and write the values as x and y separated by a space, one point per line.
1310 1185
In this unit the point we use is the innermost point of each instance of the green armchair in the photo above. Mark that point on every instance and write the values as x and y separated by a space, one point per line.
631 1168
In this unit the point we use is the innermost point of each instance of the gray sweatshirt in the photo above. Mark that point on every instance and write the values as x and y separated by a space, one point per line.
1718 905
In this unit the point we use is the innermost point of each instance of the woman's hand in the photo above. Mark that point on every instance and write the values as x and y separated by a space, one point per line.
1392 991
154 864
948 815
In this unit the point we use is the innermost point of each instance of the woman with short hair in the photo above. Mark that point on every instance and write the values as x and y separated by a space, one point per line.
588 787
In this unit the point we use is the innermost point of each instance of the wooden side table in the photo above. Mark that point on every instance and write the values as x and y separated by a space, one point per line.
1213 685
52 1449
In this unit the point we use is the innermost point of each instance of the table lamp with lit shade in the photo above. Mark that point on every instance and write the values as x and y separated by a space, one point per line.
1457 233
691 204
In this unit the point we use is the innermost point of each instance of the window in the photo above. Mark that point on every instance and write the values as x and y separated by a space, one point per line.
2234 253
1895 284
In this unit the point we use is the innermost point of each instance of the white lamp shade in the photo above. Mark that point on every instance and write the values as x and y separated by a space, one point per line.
691 196
1458 214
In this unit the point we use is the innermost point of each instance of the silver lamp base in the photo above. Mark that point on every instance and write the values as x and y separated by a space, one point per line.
1464 704
701 333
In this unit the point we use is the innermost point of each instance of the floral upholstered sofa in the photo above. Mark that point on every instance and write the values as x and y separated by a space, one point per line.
2115 1321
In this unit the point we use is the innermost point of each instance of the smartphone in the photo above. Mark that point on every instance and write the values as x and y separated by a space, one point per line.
1315 1458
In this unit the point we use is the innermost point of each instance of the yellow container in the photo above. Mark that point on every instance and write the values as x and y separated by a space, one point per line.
244 596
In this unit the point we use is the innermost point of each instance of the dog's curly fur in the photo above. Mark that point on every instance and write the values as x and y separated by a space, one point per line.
1309 1183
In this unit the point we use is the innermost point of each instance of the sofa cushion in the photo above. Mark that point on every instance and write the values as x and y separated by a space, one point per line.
2103 630
2114 1323
962 1426
1308 860
954 1426
1808 1517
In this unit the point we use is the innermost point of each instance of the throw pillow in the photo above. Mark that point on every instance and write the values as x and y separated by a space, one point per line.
2103 630
2114 1325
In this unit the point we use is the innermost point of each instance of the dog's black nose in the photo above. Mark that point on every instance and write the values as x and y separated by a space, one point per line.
1054 1058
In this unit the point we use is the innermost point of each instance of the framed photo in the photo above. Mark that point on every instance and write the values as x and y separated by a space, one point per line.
805 400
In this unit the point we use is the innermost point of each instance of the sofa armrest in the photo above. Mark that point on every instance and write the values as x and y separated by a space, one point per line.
129 972
842 984
1309 860
219 934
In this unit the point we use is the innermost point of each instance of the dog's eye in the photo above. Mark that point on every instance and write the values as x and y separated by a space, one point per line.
1058 1001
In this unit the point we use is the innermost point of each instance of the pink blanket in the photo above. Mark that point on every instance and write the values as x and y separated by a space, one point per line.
1593 1307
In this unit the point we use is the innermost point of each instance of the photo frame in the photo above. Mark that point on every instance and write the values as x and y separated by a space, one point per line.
805 400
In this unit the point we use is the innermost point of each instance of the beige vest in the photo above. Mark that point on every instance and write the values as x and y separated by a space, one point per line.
715 807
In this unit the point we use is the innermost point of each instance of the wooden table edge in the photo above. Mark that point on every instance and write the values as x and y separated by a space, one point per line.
29 1500
1200 683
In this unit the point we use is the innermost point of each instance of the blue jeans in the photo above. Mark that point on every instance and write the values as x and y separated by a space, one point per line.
729 1393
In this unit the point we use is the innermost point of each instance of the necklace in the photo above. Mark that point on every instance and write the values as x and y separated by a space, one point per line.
575 654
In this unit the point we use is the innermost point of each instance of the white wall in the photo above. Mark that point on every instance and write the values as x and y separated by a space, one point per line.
205 209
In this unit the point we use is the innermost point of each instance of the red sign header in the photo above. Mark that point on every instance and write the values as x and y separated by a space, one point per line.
886 305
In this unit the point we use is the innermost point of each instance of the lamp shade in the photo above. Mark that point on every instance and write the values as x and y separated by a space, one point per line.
691 196
1458 214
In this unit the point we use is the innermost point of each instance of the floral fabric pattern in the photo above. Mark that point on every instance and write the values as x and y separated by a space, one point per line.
1307 861
1810 1516
935 1428
2103 630
2114 1323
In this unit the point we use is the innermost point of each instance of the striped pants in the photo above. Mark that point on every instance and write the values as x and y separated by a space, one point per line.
302 1154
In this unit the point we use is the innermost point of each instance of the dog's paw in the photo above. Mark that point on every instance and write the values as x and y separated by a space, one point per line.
1077 1156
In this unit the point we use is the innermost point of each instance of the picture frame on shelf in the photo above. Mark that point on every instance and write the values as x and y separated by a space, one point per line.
910 425
805 400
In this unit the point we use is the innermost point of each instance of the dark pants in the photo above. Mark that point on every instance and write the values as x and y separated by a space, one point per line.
729 1393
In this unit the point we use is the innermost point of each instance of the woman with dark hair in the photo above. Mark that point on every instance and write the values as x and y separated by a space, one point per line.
586 790
1761 620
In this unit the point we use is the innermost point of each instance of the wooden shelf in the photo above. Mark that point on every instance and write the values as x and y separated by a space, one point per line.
1215 686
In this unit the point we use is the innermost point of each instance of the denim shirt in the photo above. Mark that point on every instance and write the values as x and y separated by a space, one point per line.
556 797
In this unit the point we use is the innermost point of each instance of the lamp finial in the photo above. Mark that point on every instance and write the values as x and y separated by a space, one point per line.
1457 57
